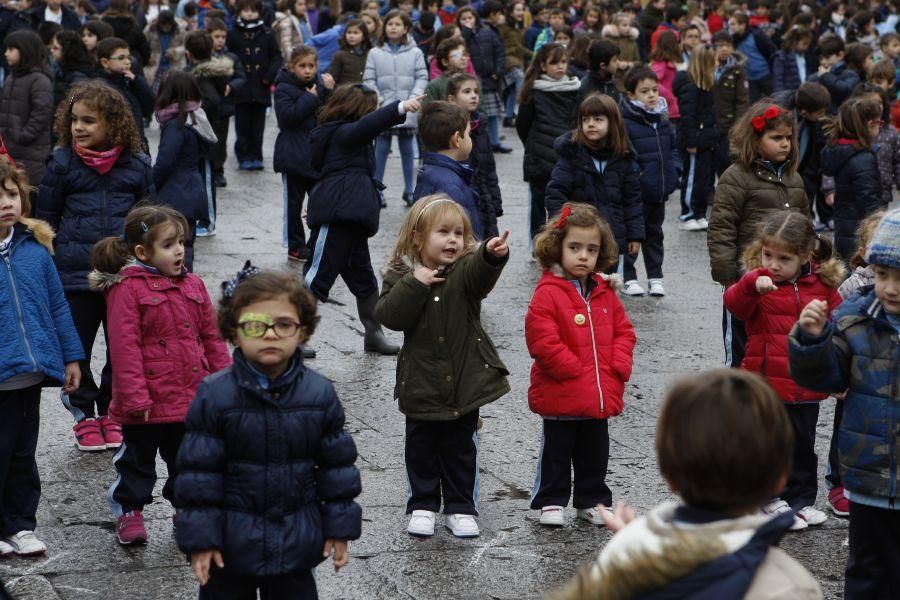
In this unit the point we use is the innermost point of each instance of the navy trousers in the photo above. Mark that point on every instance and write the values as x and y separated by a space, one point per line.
292 586
135 463
20 484
581 445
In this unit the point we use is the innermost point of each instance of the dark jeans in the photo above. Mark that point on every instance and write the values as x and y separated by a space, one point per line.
20 484
442 460
249 128
343 251
88 313
538 216
697 184
135 463
833 476
582 445
872 566
734 334
802 483
225 586
722 155
218 152
295 189
760 88
652 246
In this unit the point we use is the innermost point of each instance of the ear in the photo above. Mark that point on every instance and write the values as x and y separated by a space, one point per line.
454 140
141 253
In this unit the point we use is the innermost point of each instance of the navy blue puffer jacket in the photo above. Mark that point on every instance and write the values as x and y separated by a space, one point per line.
295 109
653 139
697 128
488 57
84 207
176 172
857 190
266 476
441 174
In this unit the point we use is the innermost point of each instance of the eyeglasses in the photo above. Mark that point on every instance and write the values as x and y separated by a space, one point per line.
258 329
121 57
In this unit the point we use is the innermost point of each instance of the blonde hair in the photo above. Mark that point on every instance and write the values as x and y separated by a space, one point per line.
702 67
745 139
420 219
864 236
548 243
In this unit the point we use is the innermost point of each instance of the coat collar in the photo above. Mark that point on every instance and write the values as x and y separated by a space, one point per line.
247 376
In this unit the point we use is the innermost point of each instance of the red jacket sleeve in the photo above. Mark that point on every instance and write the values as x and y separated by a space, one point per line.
741 299
624 340
545 344
215 348
123 318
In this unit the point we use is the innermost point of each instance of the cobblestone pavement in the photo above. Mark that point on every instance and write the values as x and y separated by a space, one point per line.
514 558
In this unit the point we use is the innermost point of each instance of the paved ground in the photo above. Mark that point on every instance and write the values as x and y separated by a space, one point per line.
514 558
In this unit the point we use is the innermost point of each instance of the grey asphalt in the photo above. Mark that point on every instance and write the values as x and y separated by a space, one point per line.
514 558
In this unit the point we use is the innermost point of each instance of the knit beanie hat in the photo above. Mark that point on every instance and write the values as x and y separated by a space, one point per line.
884 249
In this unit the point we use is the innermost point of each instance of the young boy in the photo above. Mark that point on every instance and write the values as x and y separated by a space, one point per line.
557 19
444 129
731 95
856 352
713 543
541 14
451 58
219 151
255 43
603 62
299 94
889 45
834 73
114 57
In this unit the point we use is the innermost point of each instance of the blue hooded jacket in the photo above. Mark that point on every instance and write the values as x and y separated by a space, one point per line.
441 174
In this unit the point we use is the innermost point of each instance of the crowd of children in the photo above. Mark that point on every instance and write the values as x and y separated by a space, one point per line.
786 159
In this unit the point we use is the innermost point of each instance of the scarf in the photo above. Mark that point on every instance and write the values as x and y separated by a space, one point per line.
548 84
662 107
171 111
101 162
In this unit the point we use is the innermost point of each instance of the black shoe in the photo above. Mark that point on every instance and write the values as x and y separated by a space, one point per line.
374 340
220 181
501 149
301 255
509 122
408 199
383 202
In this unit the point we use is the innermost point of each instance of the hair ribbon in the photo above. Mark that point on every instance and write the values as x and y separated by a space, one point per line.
563 217
230 286
759 123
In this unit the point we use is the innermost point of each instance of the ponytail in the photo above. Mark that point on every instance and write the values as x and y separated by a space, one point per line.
823 250
110 255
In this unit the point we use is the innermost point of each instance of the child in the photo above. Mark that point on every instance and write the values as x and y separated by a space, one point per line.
219 34
763 178
512 34
395 68
349 63
787 266
299 94
229 482
423 32
597 166
731 96
163 341
838 76
181 172
690 38
595 353
166 48
713 543
447 12
291 26
663 59
93 179
437 256
93 32
653 139
592 21
603 64
856 352
114 57
697 137
547 106
849 158
887 144
452 58
255 43
43 350
622 34
446 33
73 60
564 35
343 209
372 20
540 14
789 67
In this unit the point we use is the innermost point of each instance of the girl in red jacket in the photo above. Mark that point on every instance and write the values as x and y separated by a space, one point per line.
786 268
163 341
582 342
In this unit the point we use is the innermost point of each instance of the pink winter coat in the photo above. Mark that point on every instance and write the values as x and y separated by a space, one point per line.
163 341
666 72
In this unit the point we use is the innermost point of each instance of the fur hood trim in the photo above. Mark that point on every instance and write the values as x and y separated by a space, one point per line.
614 281
100 281
217 66
832 272
42 232
612 31
404 264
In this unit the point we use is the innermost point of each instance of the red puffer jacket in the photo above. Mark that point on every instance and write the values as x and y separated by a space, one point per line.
163 341
769 319
582 349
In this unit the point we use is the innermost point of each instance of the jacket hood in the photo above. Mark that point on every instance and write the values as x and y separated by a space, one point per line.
285 76
436 159
832 272
102 281
555 275
217 66
566 147
836 156
199 123
612 31
630 110
41 231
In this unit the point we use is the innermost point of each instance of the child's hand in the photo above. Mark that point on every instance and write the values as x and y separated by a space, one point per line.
621 516
428 276
823 69
128 75
339 550
201 561
73 377
829 199
691 150
313 90
764 285
497 245
812 319
634 248
413 104
328 80
227 90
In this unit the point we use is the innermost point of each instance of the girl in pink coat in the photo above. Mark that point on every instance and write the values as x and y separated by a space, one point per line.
163 341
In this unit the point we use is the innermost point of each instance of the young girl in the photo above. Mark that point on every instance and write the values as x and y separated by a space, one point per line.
74 62
344 206
697 136
787 266
349 63
93 32
395 68
372 20
182 172
291 26
445 33
516 56
576 325
433 288
579 65
166 38
624 36
597 166
763 178
592 21
887 143
663 60
26 102
486 53
564 35
849 158
547 106
163 342
789 66
43 350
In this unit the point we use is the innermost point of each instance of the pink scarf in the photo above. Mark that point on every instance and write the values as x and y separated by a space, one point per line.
170 111
101 162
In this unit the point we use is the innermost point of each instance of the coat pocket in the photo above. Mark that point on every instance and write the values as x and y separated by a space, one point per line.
159 378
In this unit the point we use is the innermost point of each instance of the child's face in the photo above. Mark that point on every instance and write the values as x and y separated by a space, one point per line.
882 83
623 27
249 14
557 20
590 18
782 264
562 38
518 12
354 36
218 38
802 45
723 52
466 97
467 20
406 6
457 60
887 288
12 57
830 61
542 17
444 243
447 3
646 92
272 351
88 128
118 62
580 250
595 127
555 70
370 24
10 207
167 253
395 30
56 50
891 49
89 39
300 7
690 39
304 68
775 144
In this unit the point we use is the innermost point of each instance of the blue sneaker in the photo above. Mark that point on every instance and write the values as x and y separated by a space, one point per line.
246 165
205 231
257 165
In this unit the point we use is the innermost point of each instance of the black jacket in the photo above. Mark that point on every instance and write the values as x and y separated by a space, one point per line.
653 139
857 190
256 47
488 57
129 30
811 142
545 117
64 80
482 162
212 77
295 109
839 81
591 83
697 127
266 475
616 192
70 20
26 116
137 93
176 172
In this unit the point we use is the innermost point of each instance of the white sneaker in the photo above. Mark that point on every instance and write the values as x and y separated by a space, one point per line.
689 225
633 288
779 506
553 515
421 523
5 549
703 224
206 231
463 526
656 287
812 515
25 543
592 515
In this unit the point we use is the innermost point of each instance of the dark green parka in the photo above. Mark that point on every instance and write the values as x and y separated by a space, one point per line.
448 365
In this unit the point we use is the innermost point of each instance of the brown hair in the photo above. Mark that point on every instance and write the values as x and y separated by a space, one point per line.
379 24
143 226
730 463
883 70
395 14
864 234
548 243
215 25
745 139
851 121
266 285
667 48
302 51
9 172
349 102
791 232
419 221
111 107
601 105
702 67
635 75
548 53
794 35
444 50
365 44
457 80
439 121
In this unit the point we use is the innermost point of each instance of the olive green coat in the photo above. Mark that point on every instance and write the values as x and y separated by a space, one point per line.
448 365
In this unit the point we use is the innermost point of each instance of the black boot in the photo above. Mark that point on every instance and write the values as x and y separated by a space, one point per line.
374 340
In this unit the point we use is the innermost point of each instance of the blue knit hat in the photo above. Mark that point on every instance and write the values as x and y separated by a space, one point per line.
884 249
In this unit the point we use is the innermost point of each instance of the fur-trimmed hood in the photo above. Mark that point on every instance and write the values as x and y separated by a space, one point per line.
613 281
217 66
612 31
832 272
101 281
41 230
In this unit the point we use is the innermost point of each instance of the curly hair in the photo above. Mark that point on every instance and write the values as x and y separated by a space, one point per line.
548 243
121 130
745 139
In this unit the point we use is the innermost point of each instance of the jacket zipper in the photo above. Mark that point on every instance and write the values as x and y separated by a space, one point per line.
799 309
594 348
19 315
103 187
662 161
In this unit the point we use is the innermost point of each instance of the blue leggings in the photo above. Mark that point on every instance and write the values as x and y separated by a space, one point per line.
407 151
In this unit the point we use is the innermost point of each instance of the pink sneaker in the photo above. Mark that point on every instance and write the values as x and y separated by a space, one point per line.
838 503
89 436
130 528
112 433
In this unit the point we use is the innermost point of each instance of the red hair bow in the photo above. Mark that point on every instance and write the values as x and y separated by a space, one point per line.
561 222
759 123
